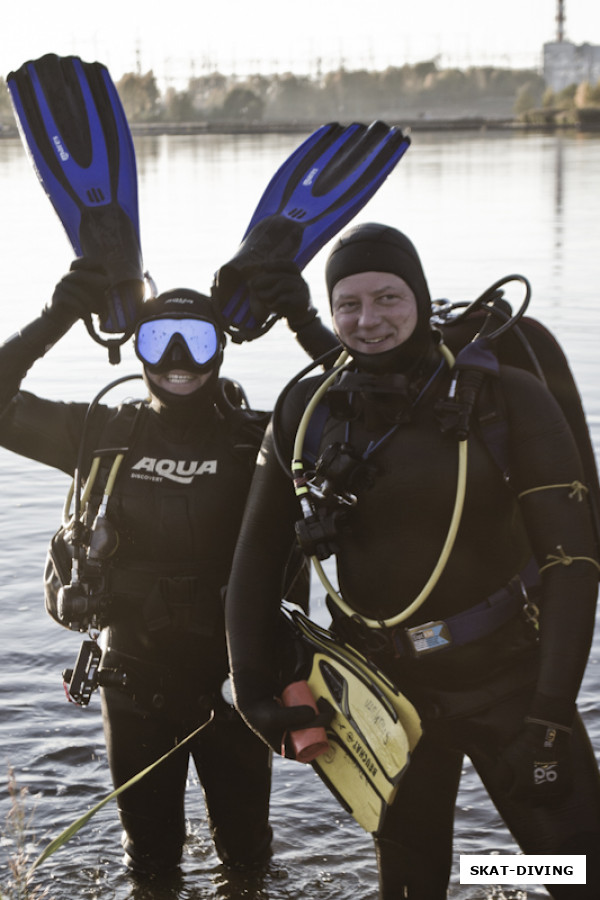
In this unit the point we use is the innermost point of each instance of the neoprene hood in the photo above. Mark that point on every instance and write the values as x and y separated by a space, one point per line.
380 248
181 301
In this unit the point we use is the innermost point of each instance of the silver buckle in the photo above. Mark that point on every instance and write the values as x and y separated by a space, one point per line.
530 611
429 637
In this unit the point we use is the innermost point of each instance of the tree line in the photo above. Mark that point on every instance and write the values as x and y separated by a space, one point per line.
577 104
421 90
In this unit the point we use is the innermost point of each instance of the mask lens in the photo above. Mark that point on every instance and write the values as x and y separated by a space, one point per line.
155 335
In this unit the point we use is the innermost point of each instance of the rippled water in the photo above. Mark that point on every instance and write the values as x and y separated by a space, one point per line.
478 206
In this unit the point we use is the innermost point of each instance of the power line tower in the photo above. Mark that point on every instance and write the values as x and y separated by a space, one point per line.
560 21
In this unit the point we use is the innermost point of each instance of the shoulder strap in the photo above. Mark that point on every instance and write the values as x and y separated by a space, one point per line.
118 429
314 432
247 425
114 440
491 423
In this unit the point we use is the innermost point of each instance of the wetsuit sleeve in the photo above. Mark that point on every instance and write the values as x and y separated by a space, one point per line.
79 293
255 586
547 475
45 430
316 338
20 351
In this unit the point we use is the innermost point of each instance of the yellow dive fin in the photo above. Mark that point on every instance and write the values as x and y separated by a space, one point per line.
373 729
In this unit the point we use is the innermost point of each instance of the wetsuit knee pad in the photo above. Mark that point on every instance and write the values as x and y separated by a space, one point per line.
405 872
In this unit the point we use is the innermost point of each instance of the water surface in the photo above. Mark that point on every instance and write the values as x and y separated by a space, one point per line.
478 206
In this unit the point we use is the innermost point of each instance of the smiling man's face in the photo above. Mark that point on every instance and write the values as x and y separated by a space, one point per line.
373 311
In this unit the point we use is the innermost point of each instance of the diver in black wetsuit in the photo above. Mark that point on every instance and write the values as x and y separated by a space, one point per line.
505 693
176 508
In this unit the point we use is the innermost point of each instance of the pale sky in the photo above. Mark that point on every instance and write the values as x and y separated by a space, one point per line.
274 35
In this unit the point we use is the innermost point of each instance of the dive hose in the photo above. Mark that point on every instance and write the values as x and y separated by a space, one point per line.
303 494
102 540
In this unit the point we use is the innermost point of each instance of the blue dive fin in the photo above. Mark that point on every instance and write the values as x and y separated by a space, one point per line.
317 190
75 129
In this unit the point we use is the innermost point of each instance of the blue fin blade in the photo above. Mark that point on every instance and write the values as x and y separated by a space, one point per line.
127 184
300 160
51 175
321 187
329 178
72 185
74 128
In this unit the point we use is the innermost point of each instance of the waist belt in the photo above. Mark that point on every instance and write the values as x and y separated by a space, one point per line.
455 631
472 624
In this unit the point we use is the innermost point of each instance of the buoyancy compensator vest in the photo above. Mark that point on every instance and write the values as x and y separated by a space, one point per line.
77 573
475 338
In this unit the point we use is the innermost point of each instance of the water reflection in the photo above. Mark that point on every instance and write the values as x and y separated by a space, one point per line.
557 261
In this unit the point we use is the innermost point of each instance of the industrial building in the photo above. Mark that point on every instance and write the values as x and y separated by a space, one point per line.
566 63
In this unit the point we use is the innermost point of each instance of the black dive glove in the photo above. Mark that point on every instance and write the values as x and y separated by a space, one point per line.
280 288
267 717
537 766
79 293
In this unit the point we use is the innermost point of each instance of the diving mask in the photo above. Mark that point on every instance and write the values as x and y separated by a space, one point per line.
164 341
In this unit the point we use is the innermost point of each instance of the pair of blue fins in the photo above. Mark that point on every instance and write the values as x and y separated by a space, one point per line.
73 124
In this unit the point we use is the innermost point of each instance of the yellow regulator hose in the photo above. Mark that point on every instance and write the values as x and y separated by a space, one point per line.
302 492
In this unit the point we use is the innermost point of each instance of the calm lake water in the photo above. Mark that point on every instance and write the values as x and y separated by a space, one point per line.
478 206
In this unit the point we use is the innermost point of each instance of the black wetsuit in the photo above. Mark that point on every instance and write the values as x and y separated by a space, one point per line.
472 698
177 507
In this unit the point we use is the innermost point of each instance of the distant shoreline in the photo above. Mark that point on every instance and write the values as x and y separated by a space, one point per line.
424 124
418 124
